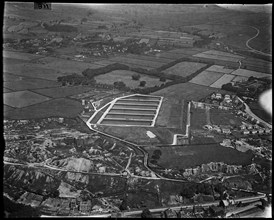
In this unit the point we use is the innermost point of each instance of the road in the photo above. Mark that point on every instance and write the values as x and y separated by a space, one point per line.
252 49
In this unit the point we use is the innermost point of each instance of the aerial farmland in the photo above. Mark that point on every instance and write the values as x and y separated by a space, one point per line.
135 110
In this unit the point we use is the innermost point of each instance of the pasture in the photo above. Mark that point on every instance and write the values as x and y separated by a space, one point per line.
182 157
23 98
60 92
149 58
226 78
221 53
186 91
62 107
7 90
184 68
24 83
126 77
206 78
224 117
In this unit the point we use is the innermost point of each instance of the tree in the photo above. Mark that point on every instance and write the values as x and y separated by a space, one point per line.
119 84
162 78
136 76
157 152
155 157
146 214
142 83
84 20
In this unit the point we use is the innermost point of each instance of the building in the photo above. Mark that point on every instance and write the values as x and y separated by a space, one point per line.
218 96
85 206
246 132
226 130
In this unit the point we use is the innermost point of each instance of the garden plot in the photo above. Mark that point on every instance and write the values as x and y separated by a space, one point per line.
184 68
221 53
206 78
249 73
216 57
219 69
126 77
226 78
23 98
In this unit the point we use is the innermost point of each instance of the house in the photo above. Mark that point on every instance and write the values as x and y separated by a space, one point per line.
218 96
260 131
226 131
242 127
144 40
213 96
245 132
224 203
254 131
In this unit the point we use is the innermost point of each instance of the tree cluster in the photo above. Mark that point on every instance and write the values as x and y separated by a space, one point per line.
90 73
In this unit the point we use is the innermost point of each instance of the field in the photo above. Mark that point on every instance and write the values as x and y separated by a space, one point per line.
66 65
226 78
223 117
219 69
20 55
150 58
183 157
217 57
126 77
53 108
7 90
137 62
220 53
32 70
206 78
184 68
248 73
171 113
24 83
61 92
138 135
23 98
186 91
198 118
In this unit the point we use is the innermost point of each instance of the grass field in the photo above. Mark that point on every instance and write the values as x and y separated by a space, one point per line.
187 51
223 117
187 91
29 83
53 108
148 58
248 73
61 92
183 157
206 78
219 69
126 77
169 55
184 68
226 78
198 118
23 98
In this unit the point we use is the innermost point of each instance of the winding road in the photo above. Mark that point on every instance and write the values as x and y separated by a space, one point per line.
252 49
